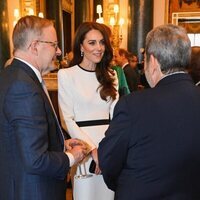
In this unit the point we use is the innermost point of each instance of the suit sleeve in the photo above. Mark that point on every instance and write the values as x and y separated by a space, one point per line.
25 111
114 146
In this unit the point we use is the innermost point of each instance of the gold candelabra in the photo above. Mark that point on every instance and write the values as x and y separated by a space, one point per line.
114 22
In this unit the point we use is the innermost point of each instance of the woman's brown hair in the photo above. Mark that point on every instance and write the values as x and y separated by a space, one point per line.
104 73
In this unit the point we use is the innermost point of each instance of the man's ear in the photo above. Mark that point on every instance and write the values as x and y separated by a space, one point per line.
155 66
152 65
33 47
153 61
155 69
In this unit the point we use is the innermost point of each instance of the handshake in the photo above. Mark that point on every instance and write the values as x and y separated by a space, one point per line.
78 148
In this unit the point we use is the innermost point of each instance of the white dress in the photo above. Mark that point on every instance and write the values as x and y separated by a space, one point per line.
79 100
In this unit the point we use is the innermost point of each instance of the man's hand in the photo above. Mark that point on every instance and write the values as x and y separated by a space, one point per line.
79 152
70 143
77 148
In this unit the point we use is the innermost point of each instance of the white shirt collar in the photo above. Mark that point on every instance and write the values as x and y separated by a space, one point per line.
179 72
198 83
125 65
36 71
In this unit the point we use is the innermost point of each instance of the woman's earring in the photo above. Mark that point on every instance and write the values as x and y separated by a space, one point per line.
82 53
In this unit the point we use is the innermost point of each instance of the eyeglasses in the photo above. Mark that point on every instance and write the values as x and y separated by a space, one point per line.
53 44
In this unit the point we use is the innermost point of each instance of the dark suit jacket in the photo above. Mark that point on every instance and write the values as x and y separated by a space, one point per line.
33 164
132 77
152 148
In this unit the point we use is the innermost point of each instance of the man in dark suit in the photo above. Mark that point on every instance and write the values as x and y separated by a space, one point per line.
34 164
151 150
121 57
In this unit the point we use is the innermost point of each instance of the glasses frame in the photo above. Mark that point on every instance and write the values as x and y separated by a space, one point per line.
53 44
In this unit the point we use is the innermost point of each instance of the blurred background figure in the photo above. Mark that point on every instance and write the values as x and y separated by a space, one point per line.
123 88
194 68
70 56
121 58
67 59
133 60
143 81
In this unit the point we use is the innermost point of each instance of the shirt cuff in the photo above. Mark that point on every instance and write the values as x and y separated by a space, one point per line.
71 159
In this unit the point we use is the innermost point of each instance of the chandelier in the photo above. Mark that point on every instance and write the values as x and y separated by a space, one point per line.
114 22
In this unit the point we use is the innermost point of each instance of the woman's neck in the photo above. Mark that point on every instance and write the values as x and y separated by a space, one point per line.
88 66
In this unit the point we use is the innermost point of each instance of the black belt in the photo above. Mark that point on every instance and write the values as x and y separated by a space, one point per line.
93 122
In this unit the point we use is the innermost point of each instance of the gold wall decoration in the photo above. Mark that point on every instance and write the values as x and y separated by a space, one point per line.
27 7
111 17
108 10
32 7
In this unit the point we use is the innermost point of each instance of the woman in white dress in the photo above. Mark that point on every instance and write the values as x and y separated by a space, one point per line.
87 94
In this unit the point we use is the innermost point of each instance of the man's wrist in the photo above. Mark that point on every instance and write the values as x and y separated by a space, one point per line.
71 158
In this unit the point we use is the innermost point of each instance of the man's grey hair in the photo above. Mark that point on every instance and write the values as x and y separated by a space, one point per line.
171 46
